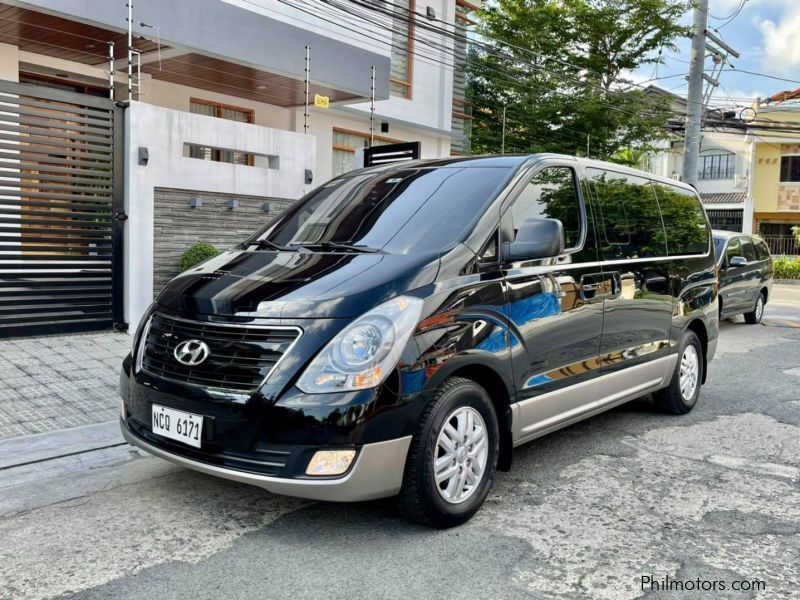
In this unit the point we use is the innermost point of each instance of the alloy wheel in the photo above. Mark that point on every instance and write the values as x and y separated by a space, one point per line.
690 372
460 455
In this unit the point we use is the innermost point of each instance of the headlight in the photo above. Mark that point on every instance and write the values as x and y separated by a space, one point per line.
363 354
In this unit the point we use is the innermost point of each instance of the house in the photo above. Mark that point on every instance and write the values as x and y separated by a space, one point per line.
130 130
774 199
723 166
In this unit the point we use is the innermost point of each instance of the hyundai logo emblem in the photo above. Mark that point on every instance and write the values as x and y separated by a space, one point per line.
191 352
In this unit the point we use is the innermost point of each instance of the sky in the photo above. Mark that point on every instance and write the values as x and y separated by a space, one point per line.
767 35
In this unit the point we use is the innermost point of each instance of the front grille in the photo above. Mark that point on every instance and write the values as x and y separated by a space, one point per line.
240 358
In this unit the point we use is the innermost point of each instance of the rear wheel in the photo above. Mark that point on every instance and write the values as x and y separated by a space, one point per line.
754 317
453 457
680 396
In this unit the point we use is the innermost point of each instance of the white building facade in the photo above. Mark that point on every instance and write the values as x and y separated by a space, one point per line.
216 109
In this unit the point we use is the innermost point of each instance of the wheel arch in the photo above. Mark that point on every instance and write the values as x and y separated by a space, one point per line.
498 391
699 328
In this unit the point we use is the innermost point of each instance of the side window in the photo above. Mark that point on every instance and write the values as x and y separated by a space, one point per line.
628 221
684 220
553 194
734 249
762 249
749 250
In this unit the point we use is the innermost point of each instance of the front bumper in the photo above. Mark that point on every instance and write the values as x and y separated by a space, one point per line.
376 473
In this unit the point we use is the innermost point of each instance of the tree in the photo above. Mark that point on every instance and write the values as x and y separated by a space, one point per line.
559 68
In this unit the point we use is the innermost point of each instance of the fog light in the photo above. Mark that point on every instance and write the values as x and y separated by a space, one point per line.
330 462
122 408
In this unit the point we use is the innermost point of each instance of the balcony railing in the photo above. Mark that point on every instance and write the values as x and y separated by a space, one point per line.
782 245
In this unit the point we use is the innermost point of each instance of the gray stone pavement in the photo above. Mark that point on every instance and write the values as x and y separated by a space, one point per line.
57 382
584 514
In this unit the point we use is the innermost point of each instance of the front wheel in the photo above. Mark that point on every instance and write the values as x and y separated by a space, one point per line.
680 396
754 317
452 460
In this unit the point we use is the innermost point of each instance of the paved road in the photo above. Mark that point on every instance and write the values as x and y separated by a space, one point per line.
585 513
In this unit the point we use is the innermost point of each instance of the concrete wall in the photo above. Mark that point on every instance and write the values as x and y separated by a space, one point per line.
164 132
322 123
177 225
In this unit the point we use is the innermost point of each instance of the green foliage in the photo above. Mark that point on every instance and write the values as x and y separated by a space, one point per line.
560 73
196 254
796 232
786 267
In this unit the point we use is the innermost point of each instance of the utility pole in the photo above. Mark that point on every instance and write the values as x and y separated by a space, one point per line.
694 105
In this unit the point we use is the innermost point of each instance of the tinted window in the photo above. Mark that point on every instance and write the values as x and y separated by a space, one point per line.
749 251
401 211
628 219
719 246
761 249
553 194
684 220
734 249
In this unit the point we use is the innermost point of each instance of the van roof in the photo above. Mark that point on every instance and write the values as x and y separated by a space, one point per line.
515 161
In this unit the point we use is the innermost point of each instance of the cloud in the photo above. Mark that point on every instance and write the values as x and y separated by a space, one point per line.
781 51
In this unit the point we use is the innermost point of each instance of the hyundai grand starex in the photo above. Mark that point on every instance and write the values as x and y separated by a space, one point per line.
400 329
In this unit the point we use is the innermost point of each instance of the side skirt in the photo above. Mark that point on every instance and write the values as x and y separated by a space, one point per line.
615 389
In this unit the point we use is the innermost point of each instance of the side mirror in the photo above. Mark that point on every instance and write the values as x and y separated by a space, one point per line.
536 238
737 261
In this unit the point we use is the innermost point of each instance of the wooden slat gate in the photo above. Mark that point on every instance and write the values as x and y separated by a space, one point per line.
60 236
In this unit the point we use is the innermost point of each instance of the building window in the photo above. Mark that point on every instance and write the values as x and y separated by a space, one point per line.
401 73
221 111
717 166
345 143
790 168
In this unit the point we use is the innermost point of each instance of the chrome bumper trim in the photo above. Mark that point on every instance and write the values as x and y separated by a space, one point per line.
377 472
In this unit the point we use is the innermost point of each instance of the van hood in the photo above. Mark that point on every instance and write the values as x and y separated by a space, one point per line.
296 285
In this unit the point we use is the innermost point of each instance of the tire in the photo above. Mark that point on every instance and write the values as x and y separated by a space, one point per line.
421 498
672 399
754 317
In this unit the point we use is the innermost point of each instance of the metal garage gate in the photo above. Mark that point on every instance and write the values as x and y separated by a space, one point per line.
59 237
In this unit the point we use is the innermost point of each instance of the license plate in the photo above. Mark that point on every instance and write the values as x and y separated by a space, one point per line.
178 425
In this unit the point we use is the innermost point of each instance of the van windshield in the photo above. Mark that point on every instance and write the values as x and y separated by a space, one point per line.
399 211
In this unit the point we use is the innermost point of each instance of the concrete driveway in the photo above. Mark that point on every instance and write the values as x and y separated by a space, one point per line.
588 512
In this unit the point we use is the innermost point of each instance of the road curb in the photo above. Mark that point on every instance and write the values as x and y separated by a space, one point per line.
41 447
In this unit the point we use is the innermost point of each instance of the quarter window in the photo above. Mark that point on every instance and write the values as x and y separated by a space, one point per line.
790 168
552 194
684 220
762 250
628 219
749 251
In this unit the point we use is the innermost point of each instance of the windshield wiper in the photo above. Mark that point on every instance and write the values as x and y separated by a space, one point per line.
335 246
262 244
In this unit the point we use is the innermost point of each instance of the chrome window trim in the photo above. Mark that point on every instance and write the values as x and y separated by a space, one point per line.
146 331
544 269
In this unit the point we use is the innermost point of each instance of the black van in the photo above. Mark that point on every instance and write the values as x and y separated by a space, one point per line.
401 328
745 275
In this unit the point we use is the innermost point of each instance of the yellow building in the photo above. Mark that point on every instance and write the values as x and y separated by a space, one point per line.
773 202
